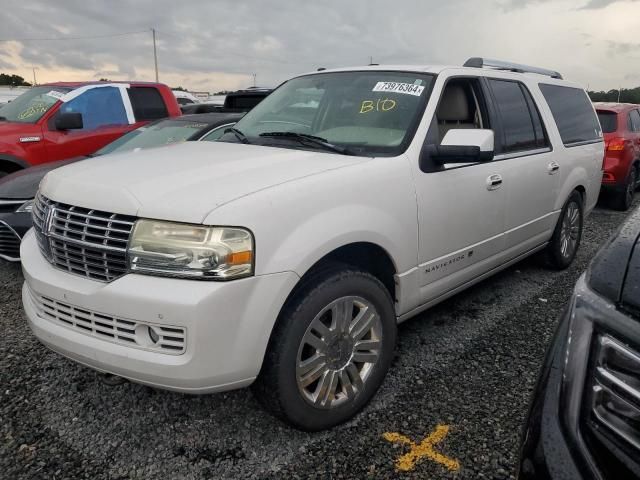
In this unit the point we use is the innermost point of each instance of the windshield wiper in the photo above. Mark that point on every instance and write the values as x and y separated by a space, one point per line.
305 138
239 135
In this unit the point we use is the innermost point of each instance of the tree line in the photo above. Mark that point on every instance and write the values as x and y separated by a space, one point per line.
13 80
627 95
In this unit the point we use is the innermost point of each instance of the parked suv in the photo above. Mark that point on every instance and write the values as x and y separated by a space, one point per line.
63 120
621 126
285 254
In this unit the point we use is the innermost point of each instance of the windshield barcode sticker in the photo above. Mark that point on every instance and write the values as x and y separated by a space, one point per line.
56 94
395 87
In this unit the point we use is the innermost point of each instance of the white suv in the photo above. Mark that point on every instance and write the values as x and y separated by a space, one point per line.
285 255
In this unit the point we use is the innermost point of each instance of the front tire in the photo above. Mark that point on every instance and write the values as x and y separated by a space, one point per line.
566 238
330 351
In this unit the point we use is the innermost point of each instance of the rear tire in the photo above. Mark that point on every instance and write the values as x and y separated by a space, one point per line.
566 237
623 199
330 350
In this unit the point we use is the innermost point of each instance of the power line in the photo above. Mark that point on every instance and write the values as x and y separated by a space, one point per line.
87 37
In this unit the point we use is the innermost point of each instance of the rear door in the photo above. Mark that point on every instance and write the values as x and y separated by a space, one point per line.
528 165
105 119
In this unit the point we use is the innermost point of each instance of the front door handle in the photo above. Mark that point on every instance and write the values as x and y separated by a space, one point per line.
494 182
553 168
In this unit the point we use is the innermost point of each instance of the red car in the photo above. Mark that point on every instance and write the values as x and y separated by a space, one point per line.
621 126
68 119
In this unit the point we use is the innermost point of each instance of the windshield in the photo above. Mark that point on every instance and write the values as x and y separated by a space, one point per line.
370 113
608 121
32 104
155 135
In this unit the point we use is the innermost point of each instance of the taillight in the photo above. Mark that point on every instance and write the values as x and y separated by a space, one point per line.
616 145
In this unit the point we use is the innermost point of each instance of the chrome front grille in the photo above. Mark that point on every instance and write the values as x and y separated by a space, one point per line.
9 243
82 241
159 338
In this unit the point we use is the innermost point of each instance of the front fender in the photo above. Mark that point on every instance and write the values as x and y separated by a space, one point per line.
297 223
331 229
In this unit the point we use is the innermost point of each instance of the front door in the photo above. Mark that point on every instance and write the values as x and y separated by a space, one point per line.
461 207
104 120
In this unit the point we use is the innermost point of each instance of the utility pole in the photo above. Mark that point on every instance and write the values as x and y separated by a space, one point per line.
619 93
35 82
371 60
155 52
254 79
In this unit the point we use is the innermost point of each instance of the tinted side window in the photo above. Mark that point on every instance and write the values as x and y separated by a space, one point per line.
634 117
147 103
573 113
517 125
99 107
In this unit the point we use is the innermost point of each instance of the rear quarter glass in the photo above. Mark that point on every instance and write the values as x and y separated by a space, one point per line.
573 113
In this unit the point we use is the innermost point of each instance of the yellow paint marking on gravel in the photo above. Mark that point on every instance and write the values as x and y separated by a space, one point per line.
424 449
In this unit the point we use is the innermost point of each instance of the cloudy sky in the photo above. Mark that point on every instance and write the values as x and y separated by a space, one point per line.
210 45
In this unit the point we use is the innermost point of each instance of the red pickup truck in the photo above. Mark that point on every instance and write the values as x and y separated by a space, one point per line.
69 119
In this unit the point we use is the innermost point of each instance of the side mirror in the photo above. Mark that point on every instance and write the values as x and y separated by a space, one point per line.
462 146
69 121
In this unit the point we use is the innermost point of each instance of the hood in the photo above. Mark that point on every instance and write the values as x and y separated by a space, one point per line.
183 182
23 184
615 271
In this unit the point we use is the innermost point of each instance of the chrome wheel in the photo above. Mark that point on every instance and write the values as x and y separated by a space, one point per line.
570 233
338 352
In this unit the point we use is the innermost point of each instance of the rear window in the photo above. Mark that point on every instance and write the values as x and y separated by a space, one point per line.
573 112
608 121
243 101
147 103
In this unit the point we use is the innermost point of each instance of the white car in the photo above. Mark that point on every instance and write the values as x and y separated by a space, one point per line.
185 98
285 254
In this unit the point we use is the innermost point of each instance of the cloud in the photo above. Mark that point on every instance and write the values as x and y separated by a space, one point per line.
596 4
220 45
586 4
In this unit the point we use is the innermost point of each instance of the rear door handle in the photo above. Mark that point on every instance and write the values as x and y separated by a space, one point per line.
553 168
494 182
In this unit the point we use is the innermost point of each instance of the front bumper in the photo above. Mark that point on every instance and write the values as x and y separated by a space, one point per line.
13 227
227 324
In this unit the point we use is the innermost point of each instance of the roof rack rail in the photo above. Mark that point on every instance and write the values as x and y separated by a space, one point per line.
478 62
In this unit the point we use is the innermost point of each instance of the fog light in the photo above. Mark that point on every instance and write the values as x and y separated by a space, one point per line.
146 335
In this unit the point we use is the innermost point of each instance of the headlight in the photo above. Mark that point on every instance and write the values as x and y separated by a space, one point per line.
190 251
26 207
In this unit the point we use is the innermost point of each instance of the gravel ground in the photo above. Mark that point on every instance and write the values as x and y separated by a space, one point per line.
469 363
